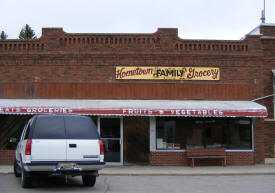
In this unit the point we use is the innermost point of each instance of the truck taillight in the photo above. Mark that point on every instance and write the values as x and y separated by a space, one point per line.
28 150
101 147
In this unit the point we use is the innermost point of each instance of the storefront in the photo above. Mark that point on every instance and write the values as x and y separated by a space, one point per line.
173 126
153 96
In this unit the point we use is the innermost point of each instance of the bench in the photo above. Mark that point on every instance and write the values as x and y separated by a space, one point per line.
215 153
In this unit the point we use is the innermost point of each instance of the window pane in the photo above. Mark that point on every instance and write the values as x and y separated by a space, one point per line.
169 133
80 127
215 132
194 134
110 127
49 127
28 132
240 134
199 133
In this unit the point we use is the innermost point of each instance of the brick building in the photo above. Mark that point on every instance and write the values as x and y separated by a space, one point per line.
153 96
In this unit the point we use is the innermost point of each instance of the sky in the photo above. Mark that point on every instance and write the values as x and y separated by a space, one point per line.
195 19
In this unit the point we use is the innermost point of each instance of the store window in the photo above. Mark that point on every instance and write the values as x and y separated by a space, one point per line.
240 134
198 133
170 134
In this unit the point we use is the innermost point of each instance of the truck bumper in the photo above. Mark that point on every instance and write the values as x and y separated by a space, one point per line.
54 166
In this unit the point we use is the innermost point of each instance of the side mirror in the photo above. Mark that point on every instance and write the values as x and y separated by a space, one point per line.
13 140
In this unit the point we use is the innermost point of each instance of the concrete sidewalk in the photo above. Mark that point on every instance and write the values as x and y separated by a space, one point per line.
177 170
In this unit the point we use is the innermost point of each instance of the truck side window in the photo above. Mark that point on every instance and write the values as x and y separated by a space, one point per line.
26 136
27 132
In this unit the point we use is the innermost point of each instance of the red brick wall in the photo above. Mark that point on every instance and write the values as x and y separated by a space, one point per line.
269 140
168 159
240 158
259 140
6 157
171 91
180 159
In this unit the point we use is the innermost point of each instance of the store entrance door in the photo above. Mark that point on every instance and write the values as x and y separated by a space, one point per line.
111 133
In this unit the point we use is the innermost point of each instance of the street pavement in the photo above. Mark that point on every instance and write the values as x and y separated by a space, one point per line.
151 179
147 184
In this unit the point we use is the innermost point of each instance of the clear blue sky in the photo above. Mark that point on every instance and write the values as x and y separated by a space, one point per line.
195 19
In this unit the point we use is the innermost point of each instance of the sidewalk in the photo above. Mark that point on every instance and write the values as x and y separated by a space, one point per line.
176 170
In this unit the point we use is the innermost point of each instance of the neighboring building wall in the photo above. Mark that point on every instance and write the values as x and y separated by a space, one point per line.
269 132
268 46
259 140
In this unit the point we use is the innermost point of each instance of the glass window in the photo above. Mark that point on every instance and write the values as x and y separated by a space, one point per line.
194 137
28 129
215 132
240 134
110 128
169 133
198 133
49 127
80 127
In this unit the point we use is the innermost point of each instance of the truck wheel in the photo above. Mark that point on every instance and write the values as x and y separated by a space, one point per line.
25 179
16 169
89 180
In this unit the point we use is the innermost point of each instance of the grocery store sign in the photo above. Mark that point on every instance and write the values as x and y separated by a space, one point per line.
183 112
167 73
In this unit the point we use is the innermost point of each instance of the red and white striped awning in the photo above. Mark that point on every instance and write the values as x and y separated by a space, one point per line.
182 108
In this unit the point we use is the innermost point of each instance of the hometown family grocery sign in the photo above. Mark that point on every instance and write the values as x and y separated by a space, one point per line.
167 73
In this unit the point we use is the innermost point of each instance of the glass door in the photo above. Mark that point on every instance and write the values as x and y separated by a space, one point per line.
110 130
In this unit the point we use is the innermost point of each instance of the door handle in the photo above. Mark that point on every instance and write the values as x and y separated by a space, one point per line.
72 145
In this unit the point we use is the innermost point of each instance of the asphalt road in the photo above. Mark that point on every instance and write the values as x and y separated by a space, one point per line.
150 184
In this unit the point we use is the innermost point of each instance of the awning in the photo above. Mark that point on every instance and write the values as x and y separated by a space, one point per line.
181 108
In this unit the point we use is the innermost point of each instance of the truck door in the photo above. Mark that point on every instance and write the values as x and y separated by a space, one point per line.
48 139
82 139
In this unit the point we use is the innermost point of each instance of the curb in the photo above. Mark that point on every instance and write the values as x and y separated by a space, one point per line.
177 174
171 171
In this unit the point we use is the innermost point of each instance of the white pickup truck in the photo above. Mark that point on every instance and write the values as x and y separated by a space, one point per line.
59 145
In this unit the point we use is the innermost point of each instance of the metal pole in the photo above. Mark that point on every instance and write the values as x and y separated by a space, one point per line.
264 7
263 97
264 11
263 14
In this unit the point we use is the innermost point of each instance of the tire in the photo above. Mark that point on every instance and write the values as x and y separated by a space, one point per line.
16 169
25 179
89 180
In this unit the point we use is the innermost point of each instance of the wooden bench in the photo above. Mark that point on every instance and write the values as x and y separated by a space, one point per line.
215 153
